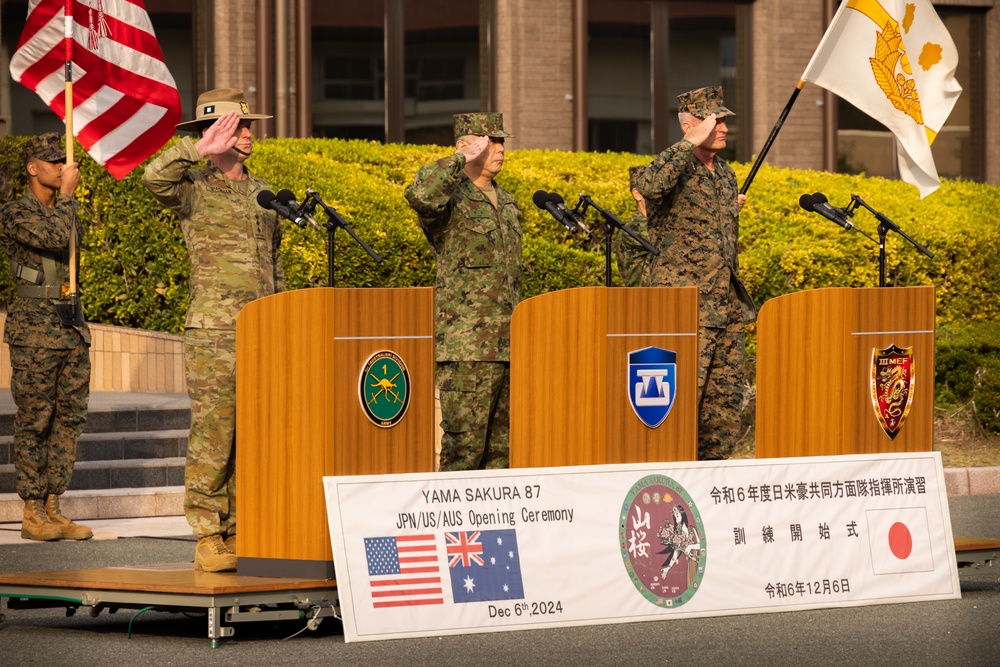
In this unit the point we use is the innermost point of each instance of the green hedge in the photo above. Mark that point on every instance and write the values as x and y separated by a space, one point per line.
134 268
967 370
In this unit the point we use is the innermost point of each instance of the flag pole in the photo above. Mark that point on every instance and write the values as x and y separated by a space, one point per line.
68 43
772 137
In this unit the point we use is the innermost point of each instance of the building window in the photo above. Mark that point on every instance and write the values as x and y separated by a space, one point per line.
434 79
355 78
613 135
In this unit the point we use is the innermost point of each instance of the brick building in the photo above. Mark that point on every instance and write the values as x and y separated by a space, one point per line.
567 74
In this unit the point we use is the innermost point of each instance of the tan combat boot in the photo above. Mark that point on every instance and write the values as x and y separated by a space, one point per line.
70 530
36 524
211 555
231 543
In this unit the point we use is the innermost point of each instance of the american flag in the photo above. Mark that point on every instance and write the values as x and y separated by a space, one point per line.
125 101
403 571
484 565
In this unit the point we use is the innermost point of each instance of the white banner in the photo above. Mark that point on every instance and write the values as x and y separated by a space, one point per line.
450 553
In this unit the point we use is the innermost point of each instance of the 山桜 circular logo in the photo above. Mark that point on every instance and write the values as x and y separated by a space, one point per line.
662 541
384 388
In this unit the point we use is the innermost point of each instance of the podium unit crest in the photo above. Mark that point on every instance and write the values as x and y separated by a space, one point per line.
652 384
892 379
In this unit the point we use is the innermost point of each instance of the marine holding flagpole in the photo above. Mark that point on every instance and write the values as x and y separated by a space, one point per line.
48 338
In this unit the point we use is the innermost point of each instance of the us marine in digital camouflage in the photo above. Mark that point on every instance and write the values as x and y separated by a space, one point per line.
693 207
50 361
474 227
233 245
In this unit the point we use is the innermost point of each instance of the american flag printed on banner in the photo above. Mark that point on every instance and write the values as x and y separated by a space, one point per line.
403 571
125 100
484 565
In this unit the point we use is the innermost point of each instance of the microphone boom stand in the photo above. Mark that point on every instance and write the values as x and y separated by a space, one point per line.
885 224
610 223
334 221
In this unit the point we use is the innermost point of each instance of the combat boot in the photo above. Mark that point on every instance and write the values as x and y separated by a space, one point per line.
212 555
70 530
231 543
36 524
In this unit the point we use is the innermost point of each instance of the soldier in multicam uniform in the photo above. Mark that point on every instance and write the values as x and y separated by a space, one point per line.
233 245
474 227
633 258
693 208
50 360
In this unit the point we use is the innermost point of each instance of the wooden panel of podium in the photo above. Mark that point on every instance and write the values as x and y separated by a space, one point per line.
814 370
570 376
299 357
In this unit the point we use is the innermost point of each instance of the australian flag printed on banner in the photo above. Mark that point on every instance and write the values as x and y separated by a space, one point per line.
484 565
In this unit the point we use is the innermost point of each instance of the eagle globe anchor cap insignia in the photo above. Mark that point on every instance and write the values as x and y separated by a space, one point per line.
892 380
652 384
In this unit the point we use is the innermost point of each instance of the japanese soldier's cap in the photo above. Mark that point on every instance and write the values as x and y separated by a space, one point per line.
213 104
45 147
703 101
480 124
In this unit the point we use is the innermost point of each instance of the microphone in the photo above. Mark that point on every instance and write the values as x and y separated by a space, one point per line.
818 203
299 214
572 213
267 199
553 203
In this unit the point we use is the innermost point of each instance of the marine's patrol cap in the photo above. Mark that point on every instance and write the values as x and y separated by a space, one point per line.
213 104
45 147
703 101
480 124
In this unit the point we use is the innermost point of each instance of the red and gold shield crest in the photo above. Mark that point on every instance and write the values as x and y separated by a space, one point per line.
892 387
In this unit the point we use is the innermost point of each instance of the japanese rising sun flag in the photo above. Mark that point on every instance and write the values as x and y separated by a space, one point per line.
125 102
895 61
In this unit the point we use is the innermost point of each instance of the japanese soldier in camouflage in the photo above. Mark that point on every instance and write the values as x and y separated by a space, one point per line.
233 245
693 207
474 227
50 360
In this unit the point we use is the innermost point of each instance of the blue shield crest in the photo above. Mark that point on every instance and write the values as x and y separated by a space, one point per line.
652 384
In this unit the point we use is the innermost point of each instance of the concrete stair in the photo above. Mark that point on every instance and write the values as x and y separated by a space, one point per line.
130 458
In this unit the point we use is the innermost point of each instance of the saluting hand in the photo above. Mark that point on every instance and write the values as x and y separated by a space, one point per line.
473 150
220 136
702 131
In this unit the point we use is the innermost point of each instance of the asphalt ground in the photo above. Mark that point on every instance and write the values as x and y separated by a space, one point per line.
949 632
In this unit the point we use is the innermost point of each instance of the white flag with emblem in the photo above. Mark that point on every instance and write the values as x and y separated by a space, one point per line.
895 61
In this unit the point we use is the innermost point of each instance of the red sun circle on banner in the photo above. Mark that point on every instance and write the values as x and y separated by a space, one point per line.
900 541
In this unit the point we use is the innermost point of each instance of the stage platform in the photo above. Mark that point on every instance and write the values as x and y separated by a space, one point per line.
228 598
225 597
977 553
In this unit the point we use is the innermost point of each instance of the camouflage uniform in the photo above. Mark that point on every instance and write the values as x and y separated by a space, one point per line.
478 254
50 362
233 245
633 260
693 219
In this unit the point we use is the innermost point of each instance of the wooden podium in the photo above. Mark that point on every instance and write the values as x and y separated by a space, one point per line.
814 370
570 376
299 417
